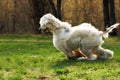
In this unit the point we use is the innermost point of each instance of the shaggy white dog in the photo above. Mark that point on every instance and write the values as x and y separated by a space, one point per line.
84 38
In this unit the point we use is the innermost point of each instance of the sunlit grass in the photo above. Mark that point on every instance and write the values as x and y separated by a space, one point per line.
33 57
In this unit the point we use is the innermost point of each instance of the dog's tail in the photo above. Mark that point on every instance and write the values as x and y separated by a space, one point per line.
108 30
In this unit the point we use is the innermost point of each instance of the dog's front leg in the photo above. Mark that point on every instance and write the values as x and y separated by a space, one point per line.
69 54
89 54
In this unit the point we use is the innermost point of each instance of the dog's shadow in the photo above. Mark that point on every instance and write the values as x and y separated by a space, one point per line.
65 63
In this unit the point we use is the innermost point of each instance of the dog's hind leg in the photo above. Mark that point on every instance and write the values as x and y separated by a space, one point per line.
103 53
91 56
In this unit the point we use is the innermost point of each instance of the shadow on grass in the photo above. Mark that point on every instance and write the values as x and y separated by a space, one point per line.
65 63
63 67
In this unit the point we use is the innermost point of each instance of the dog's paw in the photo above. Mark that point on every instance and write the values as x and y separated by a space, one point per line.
92 57
82 58
71 58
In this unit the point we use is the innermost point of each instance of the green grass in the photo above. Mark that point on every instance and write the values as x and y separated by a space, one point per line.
33 57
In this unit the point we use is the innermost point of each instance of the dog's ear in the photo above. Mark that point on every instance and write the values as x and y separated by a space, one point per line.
52 22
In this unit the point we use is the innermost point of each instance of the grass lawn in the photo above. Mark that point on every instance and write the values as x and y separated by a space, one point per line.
33 57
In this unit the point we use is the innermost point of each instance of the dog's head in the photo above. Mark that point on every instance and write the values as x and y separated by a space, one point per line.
48 21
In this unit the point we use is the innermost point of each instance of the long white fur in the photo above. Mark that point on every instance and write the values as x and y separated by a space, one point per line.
84 36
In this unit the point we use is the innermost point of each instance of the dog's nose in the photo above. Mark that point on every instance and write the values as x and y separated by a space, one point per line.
40 28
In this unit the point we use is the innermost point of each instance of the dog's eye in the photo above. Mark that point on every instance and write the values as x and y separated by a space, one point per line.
48 19
66 30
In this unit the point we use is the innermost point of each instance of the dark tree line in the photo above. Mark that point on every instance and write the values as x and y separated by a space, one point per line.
22 16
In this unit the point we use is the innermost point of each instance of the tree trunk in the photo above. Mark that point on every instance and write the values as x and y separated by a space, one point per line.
39 9
53 7
56 11
112 12
112 16
59 9
109 14
14 17
106 13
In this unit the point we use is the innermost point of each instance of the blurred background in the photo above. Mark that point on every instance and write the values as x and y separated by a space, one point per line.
22 16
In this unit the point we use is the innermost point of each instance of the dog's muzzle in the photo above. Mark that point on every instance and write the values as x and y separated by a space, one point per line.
44 30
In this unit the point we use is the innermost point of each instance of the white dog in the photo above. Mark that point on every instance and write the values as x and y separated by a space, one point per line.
84 38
